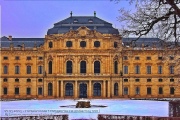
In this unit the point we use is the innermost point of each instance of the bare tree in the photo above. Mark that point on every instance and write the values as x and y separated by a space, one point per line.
155 18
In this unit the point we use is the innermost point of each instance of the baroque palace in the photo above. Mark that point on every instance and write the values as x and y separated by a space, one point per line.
85 57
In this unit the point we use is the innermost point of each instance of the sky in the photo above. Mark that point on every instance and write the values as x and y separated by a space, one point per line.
32 18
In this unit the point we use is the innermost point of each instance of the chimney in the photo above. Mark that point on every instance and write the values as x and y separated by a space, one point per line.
94 13
10 37
71 13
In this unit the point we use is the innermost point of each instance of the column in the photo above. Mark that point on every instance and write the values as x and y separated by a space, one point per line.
44 88
57 89
120 87
104 88
109 91
112 88
90 90
62 89
76 89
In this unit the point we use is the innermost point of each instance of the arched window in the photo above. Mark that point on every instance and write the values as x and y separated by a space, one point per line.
50 89
137 90
50 67
125 90
5 69
97 89
83 67
115 67
69 67
69 89
116 89
50 44
96 67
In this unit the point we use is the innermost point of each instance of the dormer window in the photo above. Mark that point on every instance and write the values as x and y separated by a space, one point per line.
75 21
90 20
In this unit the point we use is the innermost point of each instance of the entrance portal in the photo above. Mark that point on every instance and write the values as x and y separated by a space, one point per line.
82 90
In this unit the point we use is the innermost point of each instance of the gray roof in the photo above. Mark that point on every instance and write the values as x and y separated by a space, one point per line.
91 22
17 42
148 42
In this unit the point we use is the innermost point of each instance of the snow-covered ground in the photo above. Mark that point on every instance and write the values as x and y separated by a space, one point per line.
115 106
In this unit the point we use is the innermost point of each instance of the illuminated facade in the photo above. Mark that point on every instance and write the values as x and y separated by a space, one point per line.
85 57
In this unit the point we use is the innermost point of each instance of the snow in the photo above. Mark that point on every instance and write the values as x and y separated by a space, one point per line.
114 106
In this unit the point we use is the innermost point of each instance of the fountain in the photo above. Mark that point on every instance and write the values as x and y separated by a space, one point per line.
83 103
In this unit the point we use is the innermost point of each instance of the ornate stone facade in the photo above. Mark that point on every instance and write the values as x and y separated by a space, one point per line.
84 63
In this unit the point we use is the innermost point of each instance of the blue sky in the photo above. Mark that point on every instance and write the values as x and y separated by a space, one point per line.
32 18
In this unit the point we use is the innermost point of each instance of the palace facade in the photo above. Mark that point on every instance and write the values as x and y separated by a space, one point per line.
85 57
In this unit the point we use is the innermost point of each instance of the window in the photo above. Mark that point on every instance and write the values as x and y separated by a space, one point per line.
5 71
125 80
148 58
69 67
40 80
125 90
83 67
17 69
116 89
125 69
28 58
16 57
137 90
5 80
172 90
171 69
16 91
69 89
5 58
16 80
50 89
50 67
148 80
148 69
40 91
28 68
28 80
115 44
28 91
160 58
96 67
171 58
115 67
160 80
125 57
137 80
96 44
171 80
40 58
97 89
160 69
148 90
160 90
69 44
50 44
83 43
40 69
137 69
5 90
137 58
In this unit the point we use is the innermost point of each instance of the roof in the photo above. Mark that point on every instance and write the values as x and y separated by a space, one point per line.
17 42
91 22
